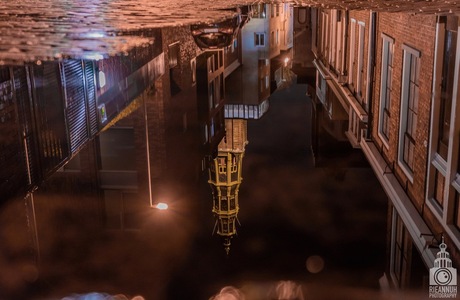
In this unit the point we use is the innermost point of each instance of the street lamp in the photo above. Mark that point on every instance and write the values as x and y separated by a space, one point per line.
161 206
286 60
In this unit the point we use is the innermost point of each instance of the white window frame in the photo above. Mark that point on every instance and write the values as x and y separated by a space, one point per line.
385 82
325 34
360 68
449 170
408 52
259 34
404 235
352 52
340 43
333 49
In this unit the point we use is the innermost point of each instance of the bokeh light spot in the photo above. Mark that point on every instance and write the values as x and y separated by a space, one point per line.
315 264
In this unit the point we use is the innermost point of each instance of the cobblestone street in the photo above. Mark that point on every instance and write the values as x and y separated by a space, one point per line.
53 29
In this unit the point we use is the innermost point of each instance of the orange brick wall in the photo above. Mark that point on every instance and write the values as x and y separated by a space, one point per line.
417 32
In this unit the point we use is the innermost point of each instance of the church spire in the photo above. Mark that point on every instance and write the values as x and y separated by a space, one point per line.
225 179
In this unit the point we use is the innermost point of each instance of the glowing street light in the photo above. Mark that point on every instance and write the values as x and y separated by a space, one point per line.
286 60
161 206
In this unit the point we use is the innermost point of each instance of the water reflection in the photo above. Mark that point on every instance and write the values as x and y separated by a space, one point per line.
93 145
55 29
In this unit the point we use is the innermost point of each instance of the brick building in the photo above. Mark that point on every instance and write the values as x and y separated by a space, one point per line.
389 80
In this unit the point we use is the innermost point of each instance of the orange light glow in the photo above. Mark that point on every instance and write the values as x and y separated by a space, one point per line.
161 206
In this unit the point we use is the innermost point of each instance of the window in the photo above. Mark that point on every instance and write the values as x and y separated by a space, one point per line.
360 70
117 149
193 67
206 134
385 88
222 163
351 67
447 83
400 251
443 185
234 168
443 173
173 54
340 59
259 39
439 180
123 210
258 11
221 87
333 48
211 95
409 108
325 34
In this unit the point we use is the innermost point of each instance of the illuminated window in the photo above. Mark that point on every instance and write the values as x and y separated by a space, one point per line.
222 165
234 165
193 67
173 54
101 79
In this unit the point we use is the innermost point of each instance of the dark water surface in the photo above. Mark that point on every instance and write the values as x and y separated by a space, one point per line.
291 213
80 218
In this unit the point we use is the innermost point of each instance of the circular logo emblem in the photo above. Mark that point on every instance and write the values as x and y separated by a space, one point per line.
443 276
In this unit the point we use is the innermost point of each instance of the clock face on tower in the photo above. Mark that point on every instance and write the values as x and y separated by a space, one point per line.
443 276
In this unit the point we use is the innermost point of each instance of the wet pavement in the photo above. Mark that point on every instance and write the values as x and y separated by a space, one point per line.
32 31
316 227
51 30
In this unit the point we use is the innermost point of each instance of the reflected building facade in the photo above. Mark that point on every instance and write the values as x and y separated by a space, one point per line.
123 123
57 107
266 38
225 177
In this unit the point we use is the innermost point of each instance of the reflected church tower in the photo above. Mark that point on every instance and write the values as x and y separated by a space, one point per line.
225 179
